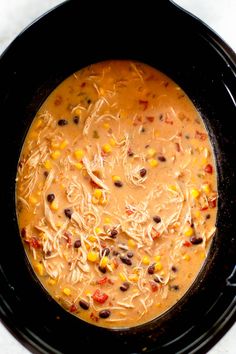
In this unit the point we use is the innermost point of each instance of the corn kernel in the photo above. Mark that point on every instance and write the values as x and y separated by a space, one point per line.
162 273
79 154
133 277
79 166
104 261
55 154
203 255
186 257
116 178
197 214
97 193
188 231
77 111
48 164
102 201
107 148
172 188
131 243
158 304
55 144
92 238
136 270
64 144
51 281
204 162
146 260
39 193
93 256
59 224
95 200
157 258
122 276
98 230
195 193
153 162
156 134
67 291
39 123
39 268
88 293
107 220
158 266
54 205
112 142
151 153
33 200
206 188
106 126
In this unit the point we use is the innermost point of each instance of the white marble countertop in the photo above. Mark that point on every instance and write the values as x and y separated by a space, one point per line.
17 14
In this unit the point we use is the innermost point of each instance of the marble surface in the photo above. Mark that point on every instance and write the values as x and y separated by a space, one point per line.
15 15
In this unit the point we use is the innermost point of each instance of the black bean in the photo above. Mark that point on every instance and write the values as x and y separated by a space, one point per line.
157 219
62 122
50 197
175 287
174 269
196 240
76 119
124 286
23 232
162 158
208 216
151 269
89 101
115 253
102 269
130 153
84 304
104 313
143 172
48 253
113 233
142 130
130 254
46 173
118 184
68 213
77 244
126 260
161 117
105 251
157 279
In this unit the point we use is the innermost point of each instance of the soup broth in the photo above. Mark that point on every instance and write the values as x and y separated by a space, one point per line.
116 193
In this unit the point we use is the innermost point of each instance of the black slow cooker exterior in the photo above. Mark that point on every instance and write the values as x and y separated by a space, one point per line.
70 37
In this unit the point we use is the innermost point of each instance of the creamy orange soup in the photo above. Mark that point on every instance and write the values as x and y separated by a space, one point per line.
116 193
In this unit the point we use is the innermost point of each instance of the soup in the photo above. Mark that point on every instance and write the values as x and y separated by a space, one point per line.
116 193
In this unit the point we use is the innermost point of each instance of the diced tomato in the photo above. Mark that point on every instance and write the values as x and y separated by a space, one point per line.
168 120
150 119
99 297
73 308
177 146
201 136
68 236
212 203
208 168
205 207
187 244
58 100
144 104
128 211
155 234
102 281
153 285
34 243
93 317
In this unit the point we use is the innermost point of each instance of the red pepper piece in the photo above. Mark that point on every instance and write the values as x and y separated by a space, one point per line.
102 281
73 308
212 203
201 136
154 286
144 104
208 168
99 297
187 244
